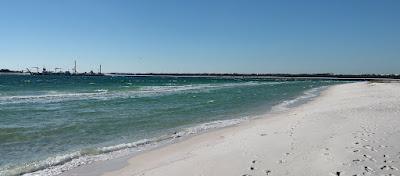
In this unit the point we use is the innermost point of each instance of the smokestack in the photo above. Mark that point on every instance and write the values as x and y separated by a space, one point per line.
75 66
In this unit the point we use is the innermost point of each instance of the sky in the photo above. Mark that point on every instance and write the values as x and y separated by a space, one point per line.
193 36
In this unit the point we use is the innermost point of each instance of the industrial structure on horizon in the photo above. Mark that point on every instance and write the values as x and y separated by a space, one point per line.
58 71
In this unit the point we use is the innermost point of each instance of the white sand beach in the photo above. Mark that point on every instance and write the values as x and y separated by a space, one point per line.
351 129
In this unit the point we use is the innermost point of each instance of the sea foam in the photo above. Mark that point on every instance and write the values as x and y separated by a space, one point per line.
56 165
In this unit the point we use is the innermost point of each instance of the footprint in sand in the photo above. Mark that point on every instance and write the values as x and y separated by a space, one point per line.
252 165
356 161
281 161
388 161
368 169
253 168
383 146
387 167
248 174
369 157
388 175
338 173
368 147
326 152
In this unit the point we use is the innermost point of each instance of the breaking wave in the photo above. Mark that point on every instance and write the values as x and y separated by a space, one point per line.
104 94
306 96
58 164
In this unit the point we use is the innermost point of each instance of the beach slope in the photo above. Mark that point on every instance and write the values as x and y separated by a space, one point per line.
351 129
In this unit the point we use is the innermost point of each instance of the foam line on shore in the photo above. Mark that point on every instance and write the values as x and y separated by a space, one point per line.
56 165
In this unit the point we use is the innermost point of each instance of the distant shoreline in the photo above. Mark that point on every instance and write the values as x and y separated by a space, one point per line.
273 76
269 75
327 76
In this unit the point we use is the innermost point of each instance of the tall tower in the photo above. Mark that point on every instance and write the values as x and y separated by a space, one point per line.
75 67
100 69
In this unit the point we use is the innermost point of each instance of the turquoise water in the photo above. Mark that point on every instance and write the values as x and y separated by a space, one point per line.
51 120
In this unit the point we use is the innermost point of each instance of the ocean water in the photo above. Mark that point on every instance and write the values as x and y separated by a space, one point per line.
49 124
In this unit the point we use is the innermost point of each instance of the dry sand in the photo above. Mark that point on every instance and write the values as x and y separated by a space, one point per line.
351 129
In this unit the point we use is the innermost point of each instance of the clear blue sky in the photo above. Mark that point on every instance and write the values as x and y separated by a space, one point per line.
246 36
